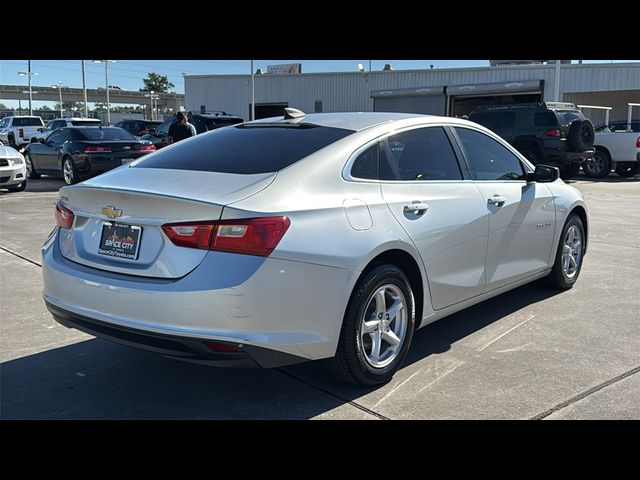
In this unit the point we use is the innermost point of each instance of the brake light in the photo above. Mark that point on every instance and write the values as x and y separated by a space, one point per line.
97 150
638 143
147 148
21 132
190 234
251 236
64 216
553 132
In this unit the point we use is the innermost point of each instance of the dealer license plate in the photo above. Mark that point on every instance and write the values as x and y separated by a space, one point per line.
120 240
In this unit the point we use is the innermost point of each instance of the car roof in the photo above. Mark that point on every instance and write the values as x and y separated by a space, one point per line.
348 120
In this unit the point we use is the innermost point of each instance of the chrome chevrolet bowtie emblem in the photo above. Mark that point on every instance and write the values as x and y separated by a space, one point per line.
111 212
126 147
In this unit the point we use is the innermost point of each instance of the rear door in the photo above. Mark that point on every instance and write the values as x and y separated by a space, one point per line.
47 157
444 215
521 215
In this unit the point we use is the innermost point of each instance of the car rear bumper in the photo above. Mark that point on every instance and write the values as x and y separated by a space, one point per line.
284 307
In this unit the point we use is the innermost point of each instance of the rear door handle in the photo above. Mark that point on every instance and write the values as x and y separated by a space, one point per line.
416 207
497 200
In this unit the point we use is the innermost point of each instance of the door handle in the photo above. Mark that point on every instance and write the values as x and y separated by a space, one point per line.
497 200
416 207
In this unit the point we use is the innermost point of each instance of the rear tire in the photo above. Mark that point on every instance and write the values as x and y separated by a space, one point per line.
599 166
628 169
569 170
12 142
20 188
69 171
31 170
571 245
377 328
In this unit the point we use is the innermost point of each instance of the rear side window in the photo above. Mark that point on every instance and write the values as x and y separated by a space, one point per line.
366 165
27 122
421 154
85 123
486 119
113 133
545 119
568 117
246 149
489 159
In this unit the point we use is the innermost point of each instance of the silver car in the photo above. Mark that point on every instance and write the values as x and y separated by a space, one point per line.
322 236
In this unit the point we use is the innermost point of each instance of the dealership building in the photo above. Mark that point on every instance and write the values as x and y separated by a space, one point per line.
450 91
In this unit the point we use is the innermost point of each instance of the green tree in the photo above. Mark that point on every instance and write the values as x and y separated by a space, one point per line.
156 83
70 106
3 107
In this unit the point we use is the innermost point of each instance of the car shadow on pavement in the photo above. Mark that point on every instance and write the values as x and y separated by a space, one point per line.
45 184
611 178
95 379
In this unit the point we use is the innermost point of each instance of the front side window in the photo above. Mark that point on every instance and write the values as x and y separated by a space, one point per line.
489 159
56 138
420 154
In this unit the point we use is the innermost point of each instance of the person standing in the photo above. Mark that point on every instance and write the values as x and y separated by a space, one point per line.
180 129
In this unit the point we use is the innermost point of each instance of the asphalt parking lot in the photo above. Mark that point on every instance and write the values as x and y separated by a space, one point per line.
530 353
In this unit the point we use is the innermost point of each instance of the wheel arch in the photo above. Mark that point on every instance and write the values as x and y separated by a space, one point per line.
406 262
582 214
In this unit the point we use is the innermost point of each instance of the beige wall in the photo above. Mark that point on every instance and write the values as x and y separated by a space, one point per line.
618 100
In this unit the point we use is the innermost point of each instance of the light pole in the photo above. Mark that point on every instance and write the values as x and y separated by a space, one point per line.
253 93
26 92
106 78
153 96
29 74
59 87
84 91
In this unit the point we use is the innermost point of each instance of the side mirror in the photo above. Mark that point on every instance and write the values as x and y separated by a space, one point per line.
544 174
33 140
41 129
41 140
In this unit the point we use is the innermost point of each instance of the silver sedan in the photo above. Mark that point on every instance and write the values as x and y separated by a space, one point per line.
321 236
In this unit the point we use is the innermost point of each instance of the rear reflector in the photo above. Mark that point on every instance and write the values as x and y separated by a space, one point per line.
638 143
250 236
554 132
64 216
221 347
97 150
147 148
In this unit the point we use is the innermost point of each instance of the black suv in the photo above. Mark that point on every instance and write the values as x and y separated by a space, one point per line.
138 127
553 133
202 121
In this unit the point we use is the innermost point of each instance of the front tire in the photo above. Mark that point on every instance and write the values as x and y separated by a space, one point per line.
377 328
69 171
31 170
569 256
20 188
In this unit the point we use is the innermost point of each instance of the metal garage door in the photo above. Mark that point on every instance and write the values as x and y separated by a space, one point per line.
428 100
465 98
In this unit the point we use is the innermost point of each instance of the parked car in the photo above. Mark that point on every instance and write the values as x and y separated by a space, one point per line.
619 126
13 174
139 127
76 153
16 131
553 133
66 122
308 237
203 122
616 149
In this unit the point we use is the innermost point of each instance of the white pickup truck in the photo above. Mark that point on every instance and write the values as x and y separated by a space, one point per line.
616 146
16 131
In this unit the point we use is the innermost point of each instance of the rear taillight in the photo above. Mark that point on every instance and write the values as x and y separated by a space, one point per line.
147 148
638 143
97 150
553 132
21 132
191 235
64 216
221 347
252 236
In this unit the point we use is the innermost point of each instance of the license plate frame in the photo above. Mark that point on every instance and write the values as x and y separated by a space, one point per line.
117 248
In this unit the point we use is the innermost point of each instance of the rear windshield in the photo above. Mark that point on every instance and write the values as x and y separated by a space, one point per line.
246 149
85 123
569 116
113 133
27 122
486 119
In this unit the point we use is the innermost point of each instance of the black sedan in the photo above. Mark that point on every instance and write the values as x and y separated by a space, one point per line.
77 153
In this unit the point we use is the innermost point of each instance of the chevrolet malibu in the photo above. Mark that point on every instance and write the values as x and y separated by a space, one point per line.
323 236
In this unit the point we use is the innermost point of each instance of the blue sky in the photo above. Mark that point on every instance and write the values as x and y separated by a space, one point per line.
128 74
